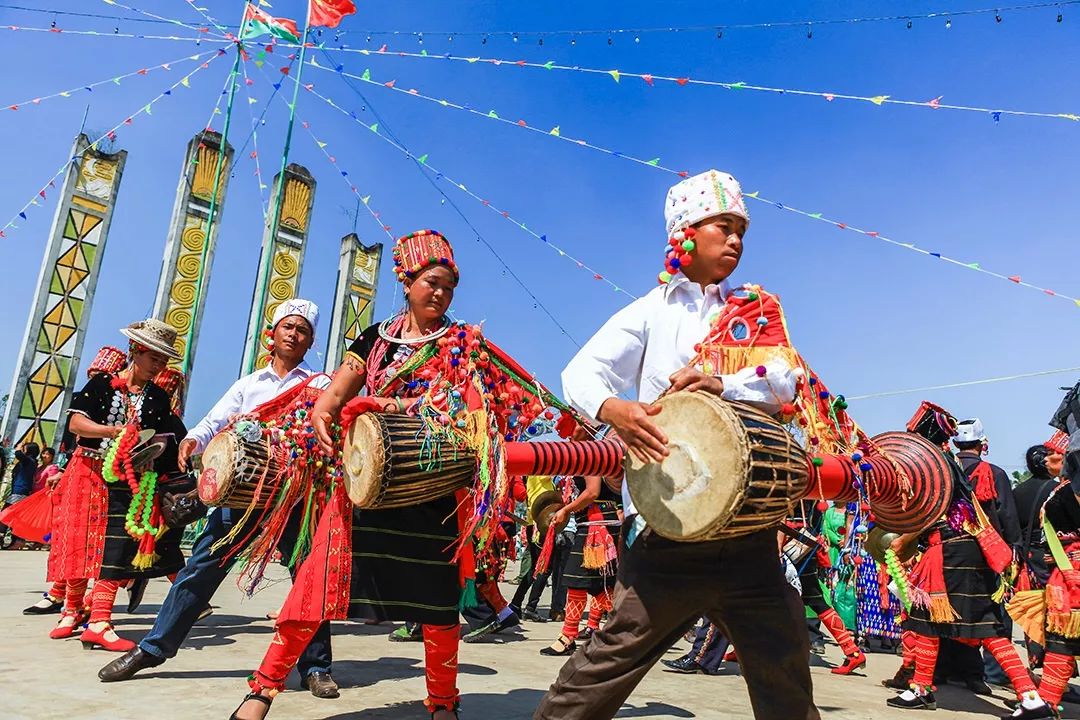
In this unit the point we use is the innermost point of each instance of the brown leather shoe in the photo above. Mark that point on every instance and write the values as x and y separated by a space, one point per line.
321 685
125 666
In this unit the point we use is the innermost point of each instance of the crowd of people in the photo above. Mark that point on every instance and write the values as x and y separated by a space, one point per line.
763 600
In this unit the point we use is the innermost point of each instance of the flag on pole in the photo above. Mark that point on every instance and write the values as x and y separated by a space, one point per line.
328 13
258 23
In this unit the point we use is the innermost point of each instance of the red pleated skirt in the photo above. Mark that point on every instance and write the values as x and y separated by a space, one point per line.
79 521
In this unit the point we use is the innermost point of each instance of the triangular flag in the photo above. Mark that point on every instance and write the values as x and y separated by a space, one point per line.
422 159
252 101
390 84
878 99
116 80
491 114
472 59
147 108
365 199
614 74
648 79
65 94
654 162
321 143
555 131
816 216
184 81
753 194
366 75
374 127
682 81
549 64
974 266
738 86
1015 278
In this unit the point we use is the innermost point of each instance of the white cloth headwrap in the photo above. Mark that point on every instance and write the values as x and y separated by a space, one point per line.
702 197
304 308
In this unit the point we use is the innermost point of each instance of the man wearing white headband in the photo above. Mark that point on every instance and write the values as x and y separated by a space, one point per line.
649 348
289 337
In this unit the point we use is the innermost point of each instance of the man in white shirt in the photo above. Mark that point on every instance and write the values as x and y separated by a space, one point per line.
292 335
664 586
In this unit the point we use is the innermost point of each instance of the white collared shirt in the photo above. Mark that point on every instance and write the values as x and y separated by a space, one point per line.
245 395
646 342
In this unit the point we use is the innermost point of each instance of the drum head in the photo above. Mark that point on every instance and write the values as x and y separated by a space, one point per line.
363 460
697 488
219 466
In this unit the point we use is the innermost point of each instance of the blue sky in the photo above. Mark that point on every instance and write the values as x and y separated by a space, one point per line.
868 316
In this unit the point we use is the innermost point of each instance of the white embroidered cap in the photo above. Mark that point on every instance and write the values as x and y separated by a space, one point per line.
702 197
296 306
968 431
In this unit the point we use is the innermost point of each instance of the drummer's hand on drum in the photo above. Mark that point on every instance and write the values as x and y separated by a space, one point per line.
695 380
187 447
643 438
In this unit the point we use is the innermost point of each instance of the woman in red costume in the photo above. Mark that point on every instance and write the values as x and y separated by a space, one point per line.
108 360
412 563
591 567
107 523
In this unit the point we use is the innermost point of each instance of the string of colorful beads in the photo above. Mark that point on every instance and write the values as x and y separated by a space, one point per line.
677 255
897 573
116 466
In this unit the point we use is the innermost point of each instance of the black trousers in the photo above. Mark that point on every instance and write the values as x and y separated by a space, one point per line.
663 588
535 586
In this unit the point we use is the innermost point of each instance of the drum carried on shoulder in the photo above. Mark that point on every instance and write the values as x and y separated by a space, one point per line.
387 464
732 470
238 469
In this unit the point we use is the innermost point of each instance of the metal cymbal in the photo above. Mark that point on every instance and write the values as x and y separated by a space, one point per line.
544 506
877 542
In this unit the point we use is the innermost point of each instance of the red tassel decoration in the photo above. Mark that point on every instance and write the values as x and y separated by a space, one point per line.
543 562
982 479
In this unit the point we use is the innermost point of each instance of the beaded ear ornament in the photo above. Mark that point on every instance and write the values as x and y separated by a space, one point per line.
677 253
268 338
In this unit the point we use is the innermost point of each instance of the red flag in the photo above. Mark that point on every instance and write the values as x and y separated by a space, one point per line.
328 13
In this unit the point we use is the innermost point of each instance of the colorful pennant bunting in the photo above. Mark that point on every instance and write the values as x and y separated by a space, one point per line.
21 214
655 162
650 79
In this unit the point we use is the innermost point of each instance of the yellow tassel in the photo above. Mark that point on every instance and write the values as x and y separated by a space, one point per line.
144 561
941 610
1028 609
1066 624
593 558
999 594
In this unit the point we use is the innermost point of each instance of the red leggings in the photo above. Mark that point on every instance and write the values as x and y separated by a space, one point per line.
102 598
835 625
576 599
1057 669
71 592
492 595
440 660
926 652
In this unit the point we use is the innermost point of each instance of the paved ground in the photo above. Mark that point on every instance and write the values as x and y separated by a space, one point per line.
42 678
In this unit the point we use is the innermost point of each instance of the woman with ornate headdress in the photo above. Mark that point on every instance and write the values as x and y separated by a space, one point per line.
413 563
108 523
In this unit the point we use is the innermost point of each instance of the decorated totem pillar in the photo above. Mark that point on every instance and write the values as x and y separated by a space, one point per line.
354 296
52 346
189 249
281 260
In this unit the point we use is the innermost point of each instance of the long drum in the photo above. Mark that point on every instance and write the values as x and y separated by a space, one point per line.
387 466
235 471
732 470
